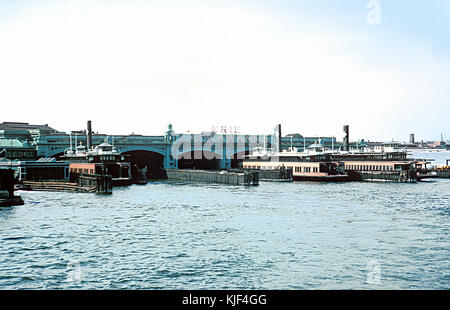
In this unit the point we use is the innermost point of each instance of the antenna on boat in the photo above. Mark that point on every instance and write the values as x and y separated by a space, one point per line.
71 141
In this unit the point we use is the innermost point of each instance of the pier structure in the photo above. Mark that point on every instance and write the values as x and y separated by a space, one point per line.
155 154
172 151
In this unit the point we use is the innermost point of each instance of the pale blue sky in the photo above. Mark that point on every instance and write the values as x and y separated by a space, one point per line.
310 65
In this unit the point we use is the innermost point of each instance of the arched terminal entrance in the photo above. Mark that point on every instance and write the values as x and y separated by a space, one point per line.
199 160
148 162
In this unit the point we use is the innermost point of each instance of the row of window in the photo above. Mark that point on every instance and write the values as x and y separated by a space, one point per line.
347 167
108 157
306 169
20 154
79 170
253 167
369 167
269 167
296 169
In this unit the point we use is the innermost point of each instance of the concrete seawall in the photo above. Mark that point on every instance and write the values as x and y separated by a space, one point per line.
223 177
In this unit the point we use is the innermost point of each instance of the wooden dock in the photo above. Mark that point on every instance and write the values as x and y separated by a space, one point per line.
101 184
56 187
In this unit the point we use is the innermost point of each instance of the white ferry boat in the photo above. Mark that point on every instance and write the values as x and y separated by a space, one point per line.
320 164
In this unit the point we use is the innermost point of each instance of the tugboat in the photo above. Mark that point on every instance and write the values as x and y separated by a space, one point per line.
103 160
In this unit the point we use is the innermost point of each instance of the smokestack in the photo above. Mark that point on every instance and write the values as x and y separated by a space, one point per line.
89 135
411 138
346 139
279 137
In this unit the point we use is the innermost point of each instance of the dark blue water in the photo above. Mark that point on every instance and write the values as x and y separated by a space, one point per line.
172 235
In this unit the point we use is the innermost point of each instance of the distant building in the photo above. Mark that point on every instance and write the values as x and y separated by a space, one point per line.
44 169
15 149
298 141
24 131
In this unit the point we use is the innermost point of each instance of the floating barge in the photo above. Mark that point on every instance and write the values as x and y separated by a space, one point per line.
54 187
274 175
386 176
101 184
223 177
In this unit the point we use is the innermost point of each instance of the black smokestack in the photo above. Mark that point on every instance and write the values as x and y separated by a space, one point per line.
89 135
346 139
279 137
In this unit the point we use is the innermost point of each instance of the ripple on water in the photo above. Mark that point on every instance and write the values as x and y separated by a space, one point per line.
274 236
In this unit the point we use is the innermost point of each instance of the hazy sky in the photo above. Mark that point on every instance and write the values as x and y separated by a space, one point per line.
313 66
